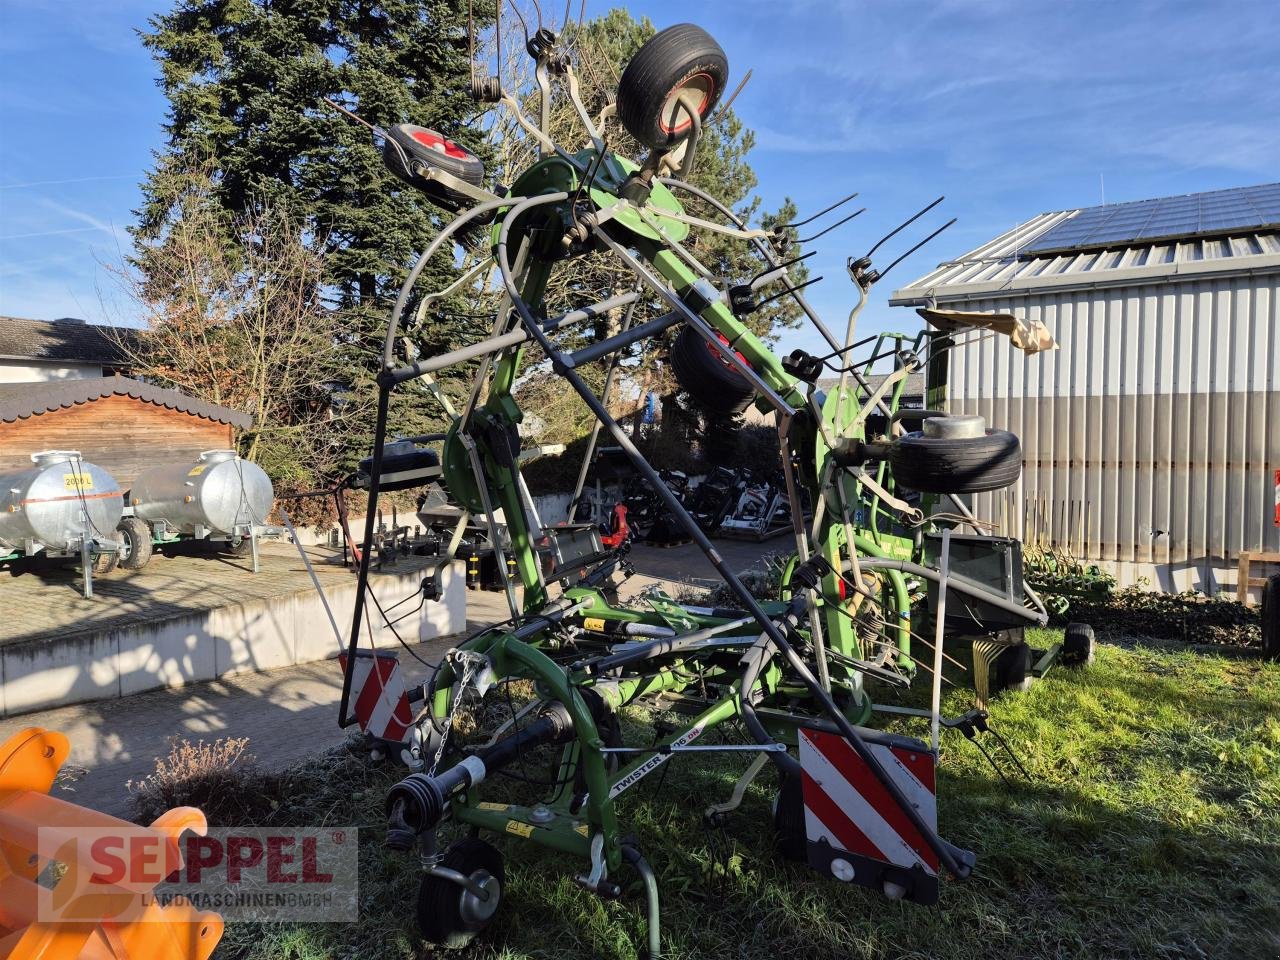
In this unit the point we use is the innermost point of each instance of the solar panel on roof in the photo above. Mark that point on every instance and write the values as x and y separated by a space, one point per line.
1198 214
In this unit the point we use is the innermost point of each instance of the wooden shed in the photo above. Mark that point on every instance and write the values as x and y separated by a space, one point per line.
124 426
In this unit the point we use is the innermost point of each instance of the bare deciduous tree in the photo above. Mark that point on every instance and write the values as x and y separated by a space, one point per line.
244 325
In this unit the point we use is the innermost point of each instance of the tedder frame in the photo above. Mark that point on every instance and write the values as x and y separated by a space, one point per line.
875 552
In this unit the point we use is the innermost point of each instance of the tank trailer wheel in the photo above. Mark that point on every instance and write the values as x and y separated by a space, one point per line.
681 60
956 455
449 914
242 549
136 535
1271 618
104 563
1078 645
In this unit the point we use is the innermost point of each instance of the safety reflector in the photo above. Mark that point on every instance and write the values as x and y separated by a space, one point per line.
855 830
382 703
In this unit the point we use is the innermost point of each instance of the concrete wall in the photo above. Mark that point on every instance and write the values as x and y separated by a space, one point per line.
259 634
26 371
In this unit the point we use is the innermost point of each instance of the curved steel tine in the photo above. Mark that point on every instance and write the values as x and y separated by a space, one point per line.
822 212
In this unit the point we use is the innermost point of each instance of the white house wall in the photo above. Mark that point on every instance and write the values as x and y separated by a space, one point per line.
26 371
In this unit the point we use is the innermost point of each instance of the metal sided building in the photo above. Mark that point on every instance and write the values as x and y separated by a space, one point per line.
1152 436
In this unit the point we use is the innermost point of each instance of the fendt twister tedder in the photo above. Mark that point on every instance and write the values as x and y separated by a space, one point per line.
876 557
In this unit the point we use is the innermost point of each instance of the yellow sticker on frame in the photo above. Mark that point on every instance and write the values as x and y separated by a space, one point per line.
592 623
519 829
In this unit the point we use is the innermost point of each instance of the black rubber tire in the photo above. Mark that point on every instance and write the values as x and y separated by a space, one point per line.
418 460
419 144
669 60
242 549
1013 669
910 418
706 377
969 465
1271 618
1078 645
788 821
439 901
105 563
407 163
137 540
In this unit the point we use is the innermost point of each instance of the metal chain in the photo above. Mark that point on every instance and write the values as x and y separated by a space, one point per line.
469 664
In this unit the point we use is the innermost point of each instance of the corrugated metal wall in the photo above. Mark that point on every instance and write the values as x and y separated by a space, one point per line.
1152 436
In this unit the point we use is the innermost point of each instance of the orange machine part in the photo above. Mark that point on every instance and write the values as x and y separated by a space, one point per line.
29 762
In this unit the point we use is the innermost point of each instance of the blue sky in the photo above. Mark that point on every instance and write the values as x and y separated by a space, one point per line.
1008 107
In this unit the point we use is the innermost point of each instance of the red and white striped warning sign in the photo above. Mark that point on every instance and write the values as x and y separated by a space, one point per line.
846 805
382 704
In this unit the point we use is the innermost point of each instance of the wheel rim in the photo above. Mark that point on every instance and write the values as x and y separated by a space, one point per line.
126 548
702 86
474 911
440 144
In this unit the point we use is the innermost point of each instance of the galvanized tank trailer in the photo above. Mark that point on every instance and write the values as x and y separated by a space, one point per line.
219 497
60 507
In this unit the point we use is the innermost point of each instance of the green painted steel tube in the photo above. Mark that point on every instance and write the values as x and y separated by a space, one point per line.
894 401
599 805
562 833
761 359
720 711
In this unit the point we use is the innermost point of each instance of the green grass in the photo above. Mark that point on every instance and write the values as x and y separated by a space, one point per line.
1150 829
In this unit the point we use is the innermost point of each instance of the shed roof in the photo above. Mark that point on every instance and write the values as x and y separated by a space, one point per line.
1003 266
19 401
66 340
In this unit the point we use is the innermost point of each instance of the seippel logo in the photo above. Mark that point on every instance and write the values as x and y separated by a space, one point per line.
657 760
246 873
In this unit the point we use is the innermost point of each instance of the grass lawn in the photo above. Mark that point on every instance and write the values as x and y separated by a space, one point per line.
1150 829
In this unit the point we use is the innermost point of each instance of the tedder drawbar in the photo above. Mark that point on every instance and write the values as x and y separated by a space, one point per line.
876 557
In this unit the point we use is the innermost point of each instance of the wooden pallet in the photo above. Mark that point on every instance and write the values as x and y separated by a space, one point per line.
1243 580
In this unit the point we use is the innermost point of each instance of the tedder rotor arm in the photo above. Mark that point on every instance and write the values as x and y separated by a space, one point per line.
958 862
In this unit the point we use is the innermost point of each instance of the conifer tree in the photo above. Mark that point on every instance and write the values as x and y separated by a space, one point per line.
246 82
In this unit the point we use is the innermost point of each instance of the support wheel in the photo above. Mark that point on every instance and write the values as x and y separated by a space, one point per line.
956 455
1271 618
135 533
1078 645
706 376
681 60
788 821
451 915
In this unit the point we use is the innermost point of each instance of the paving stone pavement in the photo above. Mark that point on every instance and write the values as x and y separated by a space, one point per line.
288 713
49 596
